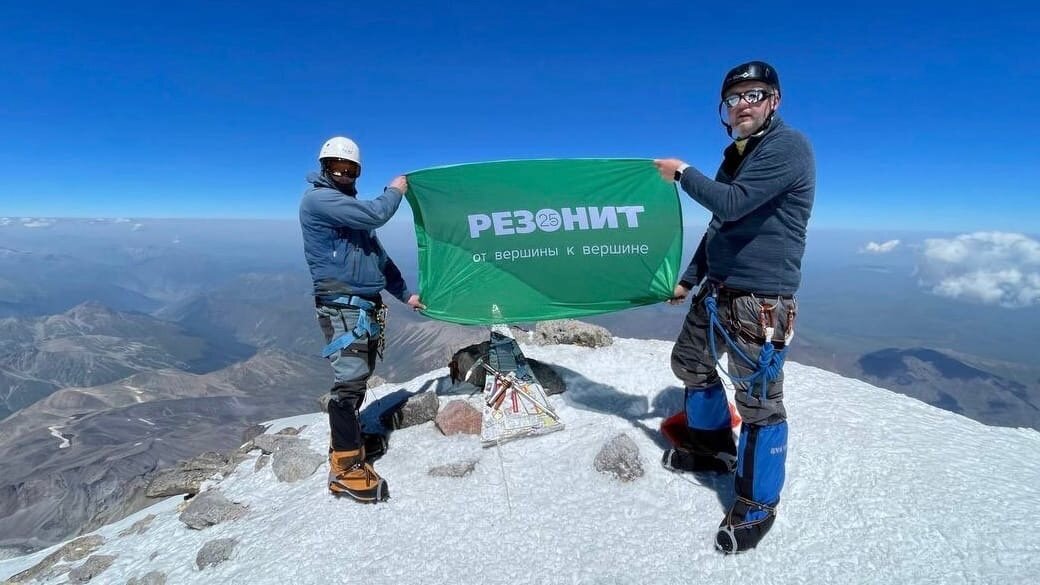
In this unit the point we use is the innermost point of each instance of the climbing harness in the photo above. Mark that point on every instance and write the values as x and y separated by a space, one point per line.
367 324
770 362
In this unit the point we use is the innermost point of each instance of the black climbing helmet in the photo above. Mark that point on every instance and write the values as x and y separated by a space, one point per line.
751 71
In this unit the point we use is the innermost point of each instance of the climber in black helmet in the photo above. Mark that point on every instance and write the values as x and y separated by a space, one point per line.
748 266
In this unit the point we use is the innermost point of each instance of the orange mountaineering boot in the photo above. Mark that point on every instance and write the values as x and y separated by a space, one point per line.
350 476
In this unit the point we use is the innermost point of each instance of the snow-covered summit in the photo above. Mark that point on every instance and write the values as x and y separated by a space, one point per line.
880 488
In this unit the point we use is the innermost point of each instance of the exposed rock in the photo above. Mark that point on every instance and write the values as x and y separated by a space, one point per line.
139 527
620 457
152 578
81 547
295 463
459 469
547 376
94 566
53 572
215 552
252 432
209 508
271 443
42 571
572 332
418 409
73 551
374 381
187 476
291 431
458 417
261 462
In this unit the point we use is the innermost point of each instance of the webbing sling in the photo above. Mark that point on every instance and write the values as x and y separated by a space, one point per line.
365 325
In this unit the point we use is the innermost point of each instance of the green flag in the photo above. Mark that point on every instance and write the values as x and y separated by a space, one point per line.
530 240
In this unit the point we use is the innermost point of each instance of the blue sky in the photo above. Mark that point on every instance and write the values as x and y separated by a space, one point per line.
922 116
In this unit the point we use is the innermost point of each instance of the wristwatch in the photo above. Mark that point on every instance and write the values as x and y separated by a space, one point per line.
679 172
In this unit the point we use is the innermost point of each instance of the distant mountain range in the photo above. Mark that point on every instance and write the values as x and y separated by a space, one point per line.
951 384
82 456
89 345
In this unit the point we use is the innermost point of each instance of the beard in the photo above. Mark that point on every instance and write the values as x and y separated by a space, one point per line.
745 127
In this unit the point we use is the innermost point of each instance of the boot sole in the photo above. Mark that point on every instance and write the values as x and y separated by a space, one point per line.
375 496
676 461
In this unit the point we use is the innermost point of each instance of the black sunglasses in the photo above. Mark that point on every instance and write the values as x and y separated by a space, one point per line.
351 172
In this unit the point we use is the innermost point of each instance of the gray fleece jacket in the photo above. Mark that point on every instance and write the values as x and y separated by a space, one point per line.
760 203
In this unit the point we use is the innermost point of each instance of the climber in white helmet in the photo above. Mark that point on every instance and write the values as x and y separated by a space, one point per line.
350 268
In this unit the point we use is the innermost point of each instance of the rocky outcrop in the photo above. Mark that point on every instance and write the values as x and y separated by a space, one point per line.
150 578
187 476
294 463
418 409
74 551
139 527
209 508
572 332
94 566
269 444
215 552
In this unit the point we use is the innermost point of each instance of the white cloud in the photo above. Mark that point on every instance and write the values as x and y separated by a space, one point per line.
121 220
137 227
988 267
37 223
5 220
882 248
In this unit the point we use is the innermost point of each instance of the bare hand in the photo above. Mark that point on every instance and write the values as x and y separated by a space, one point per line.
413 301
667 167
400 183
678 295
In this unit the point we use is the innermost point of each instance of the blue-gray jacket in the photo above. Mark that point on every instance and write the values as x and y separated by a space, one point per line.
760 204
339 241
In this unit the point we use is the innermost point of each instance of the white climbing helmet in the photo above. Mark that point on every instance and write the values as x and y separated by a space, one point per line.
340 147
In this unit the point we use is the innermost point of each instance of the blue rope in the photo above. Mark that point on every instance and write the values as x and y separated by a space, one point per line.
768 365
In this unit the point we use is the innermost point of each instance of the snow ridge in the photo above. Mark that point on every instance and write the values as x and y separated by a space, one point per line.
881 488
